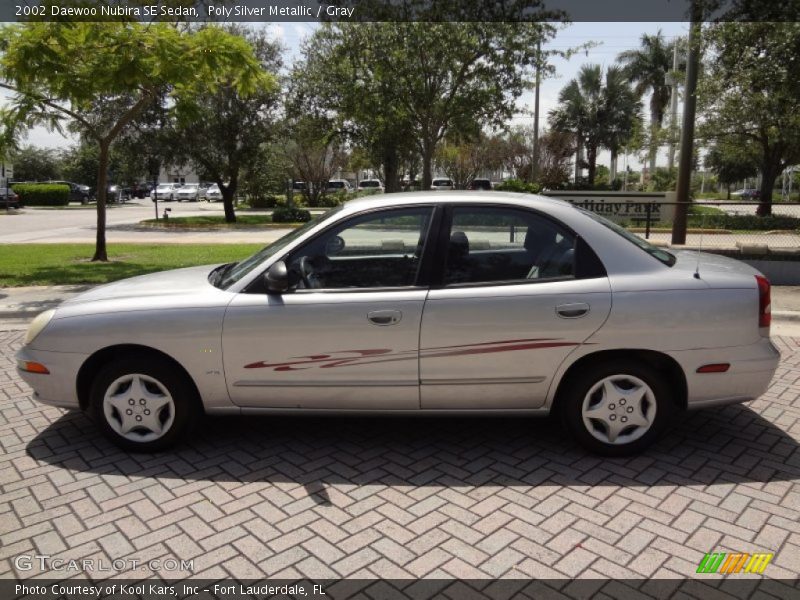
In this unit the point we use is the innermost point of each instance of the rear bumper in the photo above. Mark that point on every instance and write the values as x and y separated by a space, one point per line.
751 370
58 388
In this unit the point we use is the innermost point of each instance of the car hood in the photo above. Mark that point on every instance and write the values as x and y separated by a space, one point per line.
166 289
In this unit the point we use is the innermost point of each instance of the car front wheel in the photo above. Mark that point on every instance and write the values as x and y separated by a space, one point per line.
142 405
617 408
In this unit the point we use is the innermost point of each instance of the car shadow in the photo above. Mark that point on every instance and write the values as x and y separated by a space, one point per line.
727 445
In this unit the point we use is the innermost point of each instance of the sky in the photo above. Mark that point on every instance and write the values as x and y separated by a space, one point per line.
610 40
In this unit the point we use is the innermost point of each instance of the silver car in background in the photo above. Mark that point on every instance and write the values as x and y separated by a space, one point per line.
425 303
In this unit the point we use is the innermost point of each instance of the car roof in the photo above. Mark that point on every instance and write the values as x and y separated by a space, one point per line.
537 202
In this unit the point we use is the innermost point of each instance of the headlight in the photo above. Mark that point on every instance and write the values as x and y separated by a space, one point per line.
38 324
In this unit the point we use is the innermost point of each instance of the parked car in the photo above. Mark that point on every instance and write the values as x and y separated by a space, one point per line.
370 185
118 193
77 192
747 194
442 184
338 185
480 184
9 199
418 304
141 190
191 192
165 191
213 193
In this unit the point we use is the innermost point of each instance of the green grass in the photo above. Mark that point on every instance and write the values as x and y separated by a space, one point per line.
65 264
217 222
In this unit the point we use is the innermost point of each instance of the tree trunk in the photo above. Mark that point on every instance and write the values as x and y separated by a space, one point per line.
769 173
613 170
591 158
100 253
578 158
428 148
654 125
228 194
390 171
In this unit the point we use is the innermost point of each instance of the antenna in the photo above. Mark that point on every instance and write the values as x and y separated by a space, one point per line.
700 246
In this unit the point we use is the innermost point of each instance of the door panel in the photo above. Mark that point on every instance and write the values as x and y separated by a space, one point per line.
324 349
499 346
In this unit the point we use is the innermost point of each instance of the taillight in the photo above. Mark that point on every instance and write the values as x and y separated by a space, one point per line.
764 301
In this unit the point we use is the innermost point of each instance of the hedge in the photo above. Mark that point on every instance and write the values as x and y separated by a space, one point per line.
42 194
517 185
290 214
745 222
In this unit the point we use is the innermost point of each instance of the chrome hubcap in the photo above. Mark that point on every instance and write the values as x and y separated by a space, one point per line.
138 407
619 409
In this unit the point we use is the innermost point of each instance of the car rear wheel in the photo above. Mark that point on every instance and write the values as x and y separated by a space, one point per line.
142 405
617 408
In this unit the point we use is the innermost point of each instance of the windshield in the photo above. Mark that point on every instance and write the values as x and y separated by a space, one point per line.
229 274
662 255
370 184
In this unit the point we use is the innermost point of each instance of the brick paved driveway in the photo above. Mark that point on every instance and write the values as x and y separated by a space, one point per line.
396 498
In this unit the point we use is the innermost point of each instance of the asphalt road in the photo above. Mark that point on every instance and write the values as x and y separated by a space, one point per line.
77 225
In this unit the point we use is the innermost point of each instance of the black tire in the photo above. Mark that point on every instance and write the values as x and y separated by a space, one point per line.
184 400
572 399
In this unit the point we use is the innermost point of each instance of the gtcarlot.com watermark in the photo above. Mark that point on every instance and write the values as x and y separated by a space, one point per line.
45 563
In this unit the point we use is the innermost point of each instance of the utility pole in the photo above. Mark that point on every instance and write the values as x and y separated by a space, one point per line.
672 79
535 169
687 131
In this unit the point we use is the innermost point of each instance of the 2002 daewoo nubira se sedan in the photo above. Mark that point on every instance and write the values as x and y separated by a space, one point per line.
429 303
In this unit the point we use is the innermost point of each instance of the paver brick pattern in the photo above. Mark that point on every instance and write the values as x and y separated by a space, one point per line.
403 498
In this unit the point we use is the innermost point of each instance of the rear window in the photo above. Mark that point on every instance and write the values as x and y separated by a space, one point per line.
657 253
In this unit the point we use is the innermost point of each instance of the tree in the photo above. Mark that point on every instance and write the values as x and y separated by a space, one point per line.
647 67
314 158
396 83
598 112
750 95
222 128
36 164
732 163
100 77
555 152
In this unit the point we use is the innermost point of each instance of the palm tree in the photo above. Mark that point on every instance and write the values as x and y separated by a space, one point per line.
647 68
622 113
600 113
579 103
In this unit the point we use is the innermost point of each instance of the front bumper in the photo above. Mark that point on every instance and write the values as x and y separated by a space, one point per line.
751 370
58 388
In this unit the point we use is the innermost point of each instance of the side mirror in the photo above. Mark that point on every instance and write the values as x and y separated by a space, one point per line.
276 279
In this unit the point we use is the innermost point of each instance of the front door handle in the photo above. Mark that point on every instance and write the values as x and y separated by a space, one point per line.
384 317
572 311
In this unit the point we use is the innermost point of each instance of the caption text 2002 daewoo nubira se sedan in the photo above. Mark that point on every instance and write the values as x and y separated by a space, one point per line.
430 303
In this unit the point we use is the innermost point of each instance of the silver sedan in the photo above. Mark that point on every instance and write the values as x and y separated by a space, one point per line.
427 303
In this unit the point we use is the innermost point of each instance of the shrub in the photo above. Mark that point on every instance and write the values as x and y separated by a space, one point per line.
263 201
42 194
517 185
744 222
290 214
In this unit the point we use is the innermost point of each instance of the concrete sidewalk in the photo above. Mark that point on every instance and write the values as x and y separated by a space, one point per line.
21 304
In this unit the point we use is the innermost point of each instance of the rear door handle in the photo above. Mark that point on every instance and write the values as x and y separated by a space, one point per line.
572 311
384 317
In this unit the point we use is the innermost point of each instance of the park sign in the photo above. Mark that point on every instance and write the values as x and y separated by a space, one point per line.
623 207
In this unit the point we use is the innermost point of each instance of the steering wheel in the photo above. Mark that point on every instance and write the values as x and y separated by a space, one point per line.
307 274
